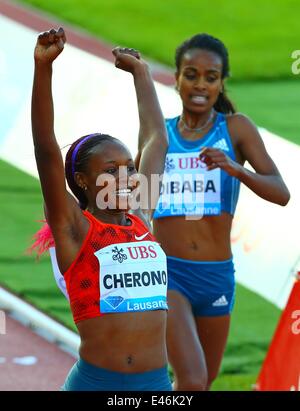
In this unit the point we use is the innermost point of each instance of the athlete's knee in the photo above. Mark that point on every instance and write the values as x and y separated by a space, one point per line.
192 383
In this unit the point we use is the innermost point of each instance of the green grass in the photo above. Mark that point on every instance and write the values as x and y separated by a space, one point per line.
21 206
232 382
272 105
253 322
260 35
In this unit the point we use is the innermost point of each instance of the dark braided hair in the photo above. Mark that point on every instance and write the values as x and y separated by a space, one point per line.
81 160
207 42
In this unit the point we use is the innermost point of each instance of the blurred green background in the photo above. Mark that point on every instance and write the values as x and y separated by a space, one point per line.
260 36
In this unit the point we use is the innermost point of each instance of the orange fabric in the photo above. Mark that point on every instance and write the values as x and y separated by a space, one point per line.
82 278
281 368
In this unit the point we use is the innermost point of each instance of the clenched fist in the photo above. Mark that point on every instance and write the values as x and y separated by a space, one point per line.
127 59
49 45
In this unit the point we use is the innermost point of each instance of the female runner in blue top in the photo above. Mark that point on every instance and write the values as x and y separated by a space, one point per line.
209 144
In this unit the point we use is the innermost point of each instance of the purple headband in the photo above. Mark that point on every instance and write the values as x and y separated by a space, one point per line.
77 147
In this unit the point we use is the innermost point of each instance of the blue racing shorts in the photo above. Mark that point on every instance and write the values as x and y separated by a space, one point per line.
84 376
209 286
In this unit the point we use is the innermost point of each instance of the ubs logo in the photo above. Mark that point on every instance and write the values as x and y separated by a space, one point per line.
119 255
169 165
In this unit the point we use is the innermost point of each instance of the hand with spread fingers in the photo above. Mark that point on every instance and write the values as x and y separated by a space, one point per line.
216 158
49 45
127 59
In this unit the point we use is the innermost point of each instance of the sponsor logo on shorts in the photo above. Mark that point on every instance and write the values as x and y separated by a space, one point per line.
220 302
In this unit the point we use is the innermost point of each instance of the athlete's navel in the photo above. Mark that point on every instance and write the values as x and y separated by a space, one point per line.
194 245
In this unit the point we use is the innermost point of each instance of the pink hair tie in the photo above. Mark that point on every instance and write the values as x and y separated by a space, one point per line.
43 240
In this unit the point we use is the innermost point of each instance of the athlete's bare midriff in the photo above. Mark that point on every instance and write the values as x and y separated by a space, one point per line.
125 342
206 239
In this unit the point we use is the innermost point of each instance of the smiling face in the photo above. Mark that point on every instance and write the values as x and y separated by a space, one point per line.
199 80
108 176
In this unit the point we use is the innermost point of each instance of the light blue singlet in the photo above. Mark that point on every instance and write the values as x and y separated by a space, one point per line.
188 189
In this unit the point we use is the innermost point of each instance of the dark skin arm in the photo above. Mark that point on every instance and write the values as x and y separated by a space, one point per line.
266 181
152 130
63 214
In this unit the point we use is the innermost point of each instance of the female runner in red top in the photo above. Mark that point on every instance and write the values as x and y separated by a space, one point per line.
114 269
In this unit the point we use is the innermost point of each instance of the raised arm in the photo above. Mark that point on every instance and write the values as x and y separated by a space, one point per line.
152 126
60 207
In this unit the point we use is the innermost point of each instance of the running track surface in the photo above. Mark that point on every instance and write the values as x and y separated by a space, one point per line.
30 363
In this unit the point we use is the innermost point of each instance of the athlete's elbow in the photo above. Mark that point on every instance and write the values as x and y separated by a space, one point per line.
284 198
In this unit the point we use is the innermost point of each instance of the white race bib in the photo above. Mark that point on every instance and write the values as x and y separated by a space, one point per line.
133 277
188 188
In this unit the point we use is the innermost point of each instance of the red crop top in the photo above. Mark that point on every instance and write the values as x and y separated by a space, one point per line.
118 269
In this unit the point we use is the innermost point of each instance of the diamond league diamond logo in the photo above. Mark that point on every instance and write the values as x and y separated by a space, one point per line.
114 301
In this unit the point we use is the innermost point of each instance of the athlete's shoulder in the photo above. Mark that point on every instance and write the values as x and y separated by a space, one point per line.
240 126
239 120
